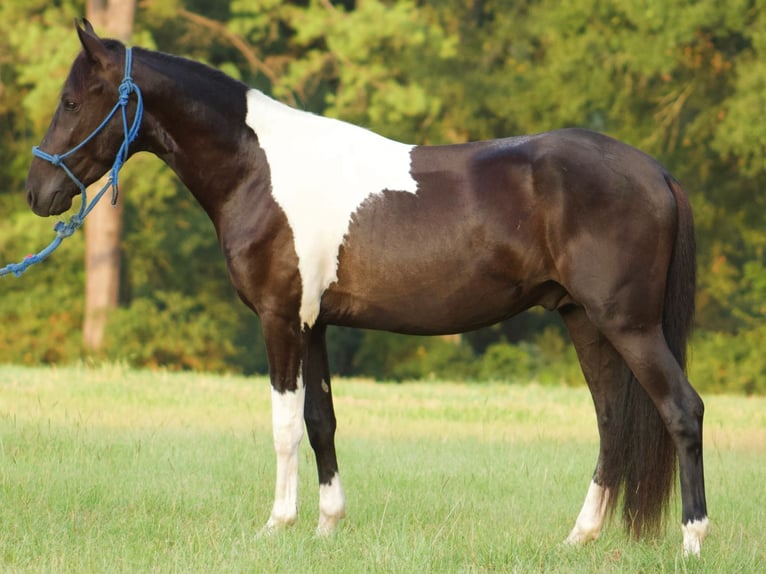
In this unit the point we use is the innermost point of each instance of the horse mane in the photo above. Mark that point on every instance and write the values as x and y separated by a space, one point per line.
196 81
199 82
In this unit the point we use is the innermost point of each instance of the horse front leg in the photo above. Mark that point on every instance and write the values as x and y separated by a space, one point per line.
284 347
320 422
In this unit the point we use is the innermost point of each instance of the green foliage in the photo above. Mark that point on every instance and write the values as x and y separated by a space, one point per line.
505 362
548 359
173 330
739 138
40 310
384 356
684 81
730 362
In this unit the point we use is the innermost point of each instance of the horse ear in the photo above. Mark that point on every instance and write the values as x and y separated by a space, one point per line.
87 26
92 45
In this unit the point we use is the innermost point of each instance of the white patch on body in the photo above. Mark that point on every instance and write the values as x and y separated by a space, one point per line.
694 533
590 521
321 171
332 506
287 424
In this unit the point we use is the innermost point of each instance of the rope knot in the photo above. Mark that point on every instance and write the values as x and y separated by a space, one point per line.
127 87
64 230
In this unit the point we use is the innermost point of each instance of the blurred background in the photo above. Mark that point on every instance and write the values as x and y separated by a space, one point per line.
684 81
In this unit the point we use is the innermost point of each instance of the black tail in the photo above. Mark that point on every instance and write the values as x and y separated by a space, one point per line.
682 278
644 461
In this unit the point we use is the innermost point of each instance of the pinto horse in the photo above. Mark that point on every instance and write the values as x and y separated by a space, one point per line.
322 222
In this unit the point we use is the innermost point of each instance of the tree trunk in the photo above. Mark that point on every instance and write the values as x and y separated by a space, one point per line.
103 228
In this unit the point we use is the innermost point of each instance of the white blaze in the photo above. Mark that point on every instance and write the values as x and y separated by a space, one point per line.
321 171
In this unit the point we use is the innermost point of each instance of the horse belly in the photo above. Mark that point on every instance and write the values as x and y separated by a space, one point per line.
440 304
445 273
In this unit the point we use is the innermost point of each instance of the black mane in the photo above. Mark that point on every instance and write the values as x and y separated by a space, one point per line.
201 83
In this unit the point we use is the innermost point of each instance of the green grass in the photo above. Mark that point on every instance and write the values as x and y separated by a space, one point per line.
113 470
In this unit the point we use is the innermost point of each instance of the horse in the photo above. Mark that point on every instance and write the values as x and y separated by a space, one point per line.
325 223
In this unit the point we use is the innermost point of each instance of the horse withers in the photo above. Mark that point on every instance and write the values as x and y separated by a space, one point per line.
325 223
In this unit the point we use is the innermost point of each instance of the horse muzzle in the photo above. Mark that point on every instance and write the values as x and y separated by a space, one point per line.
51 197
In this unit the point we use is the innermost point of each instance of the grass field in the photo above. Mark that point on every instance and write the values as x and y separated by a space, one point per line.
113 470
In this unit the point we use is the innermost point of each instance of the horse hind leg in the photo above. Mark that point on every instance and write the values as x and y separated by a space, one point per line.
662 414
657 419
606 375
681 409
320 423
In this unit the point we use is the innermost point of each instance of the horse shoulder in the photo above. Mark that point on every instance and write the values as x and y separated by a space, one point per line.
321 171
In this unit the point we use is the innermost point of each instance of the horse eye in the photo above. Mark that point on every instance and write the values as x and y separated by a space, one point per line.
70 106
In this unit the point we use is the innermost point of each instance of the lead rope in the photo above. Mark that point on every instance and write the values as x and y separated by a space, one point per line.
65 229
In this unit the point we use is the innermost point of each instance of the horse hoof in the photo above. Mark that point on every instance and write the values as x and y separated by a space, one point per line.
273 526
580 536
574 539
328 524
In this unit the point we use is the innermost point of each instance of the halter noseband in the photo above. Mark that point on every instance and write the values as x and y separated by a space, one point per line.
62 229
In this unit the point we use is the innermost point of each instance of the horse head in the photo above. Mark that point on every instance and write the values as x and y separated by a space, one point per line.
76 151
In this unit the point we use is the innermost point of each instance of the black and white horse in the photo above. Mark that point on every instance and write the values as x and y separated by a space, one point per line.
322 222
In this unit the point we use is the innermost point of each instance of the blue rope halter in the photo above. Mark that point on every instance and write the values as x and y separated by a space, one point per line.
62 229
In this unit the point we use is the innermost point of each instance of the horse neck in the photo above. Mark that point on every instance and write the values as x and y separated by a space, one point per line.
195 120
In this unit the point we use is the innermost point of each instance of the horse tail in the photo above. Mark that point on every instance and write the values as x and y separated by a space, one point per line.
643 461
678 312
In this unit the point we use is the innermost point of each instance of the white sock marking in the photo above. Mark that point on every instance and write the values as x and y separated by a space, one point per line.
332 506
694 533
287 422
590 521
321 171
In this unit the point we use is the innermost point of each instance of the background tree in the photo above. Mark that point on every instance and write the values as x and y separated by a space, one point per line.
103 228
